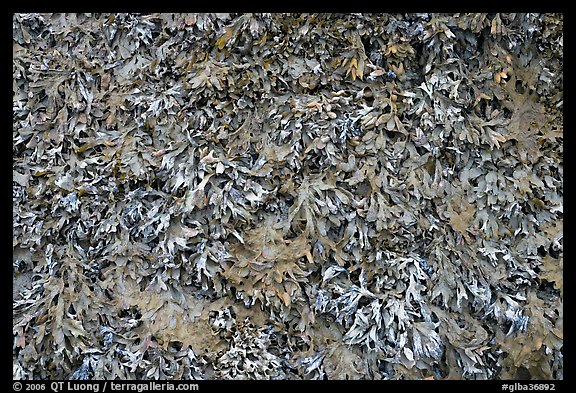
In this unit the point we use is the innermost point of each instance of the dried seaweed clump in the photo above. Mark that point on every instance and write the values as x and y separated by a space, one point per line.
288 196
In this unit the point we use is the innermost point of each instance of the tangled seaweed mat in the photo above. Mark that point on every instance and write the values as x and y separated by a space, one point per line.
294 196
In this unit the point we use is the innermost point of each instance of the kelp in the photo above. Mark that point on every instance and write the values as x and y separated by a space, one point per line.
288 196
